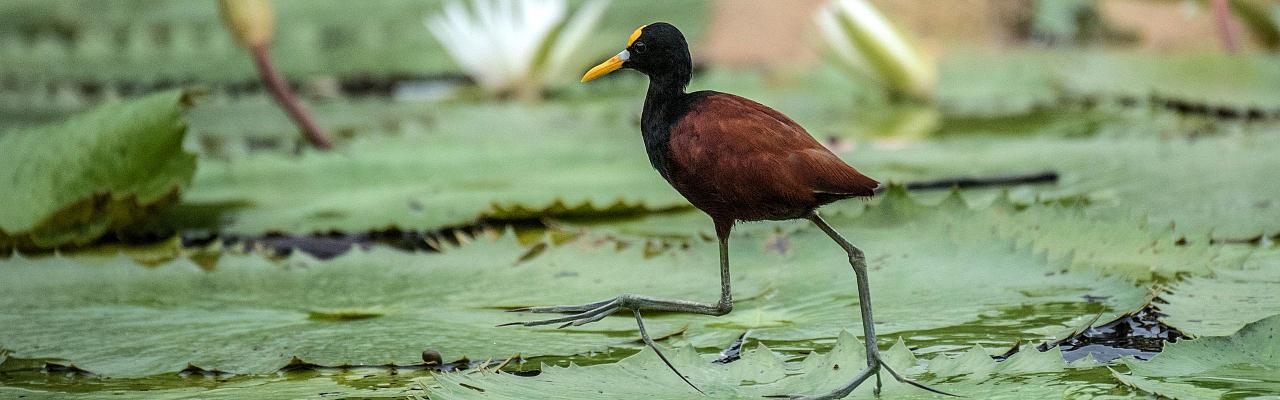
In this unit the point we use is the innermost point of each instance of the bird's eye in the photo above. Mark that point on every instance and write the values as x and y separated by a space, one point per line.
639 47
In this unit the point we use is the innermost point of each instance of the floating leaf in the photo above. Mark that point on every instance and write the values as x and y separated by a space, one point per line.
1223 303
1217 187
1116 245
117 41
911 248
1120 246
72 182
364 383
251 316
575 155
1016 82
454 174
934 270
1242 365
763 372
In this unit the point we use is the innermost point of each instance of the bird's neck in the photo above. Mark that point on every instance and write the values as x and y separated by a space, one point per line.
666 85
664 89
661 111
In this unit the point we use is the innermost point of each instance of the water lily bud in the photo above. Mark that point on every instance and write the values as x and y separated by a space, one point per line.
252 22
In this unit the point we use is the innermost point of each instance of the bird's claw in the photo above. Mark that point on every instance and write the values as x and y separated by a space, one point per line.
584 314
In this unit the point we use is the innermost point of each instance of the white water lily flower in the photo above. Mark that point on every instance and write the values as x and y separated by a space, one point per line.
515 46
867 44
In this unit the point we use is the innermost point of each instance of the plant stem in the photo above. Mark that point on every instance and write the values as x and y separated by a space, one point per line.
967 183
1222 14
280 91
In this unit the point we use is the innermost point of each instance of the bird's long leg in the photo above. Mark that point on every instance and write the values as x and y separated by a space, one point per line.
874 363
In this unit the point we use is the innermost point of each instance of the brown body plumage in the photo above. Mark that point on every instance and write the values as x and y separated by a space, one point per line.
736 159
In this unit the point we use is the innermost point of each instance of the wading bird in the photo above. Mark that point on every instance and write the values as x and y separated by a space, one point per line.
736 160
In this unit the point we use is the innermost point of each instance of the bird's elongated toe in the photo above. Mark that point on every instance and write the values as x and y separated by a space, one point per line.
584 314
564 309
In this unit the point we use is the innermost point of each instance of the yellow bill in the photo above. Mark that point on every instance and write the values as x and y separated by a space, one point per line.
616 62
610 65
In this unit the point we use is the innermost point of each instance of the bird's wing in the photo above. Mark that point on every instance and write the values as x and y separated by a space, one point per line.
728 134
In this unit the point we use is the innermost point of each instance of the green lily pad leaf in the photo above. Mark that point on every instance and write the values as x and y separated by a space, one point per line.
1168 390
364 383
251 316
1209 78
1127 247
1222 304
1124 246
1003 83
937 271
912 250
762 372
1123 177
1242 365
443 168
70 183
452 174
115 41
965 86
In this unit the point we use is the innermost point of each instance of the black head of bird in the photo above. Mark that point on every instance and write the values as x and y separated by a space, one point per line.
658 50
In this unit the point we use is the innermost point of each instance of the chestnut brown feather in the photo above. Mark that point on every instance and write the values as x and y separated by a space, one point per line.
737 159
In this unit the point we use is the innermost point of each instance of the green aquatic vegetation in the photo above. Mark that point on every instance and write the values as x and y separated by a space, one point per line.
453 173
364 383
1023 80
763 372
1126 247
1212 187
251 316
415 168
1221 304
88 41
248 315
72 182
1242 365
963 248
1160 159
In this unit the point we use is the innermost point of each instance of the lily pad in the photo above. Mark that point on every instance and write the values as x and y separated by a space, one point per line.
364 383
763 372
1129 247
587 160
1242 365
72 182
913 250
568 159
931 268
1221 304
1011 82
115 42
1168 182
251 316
